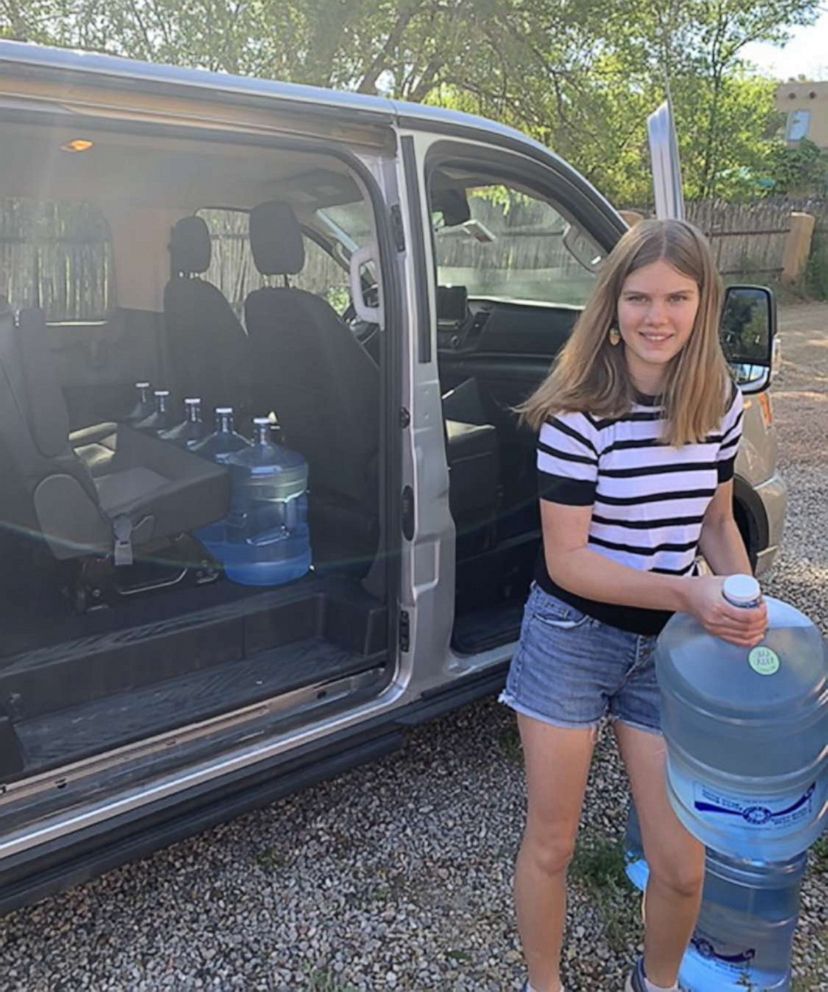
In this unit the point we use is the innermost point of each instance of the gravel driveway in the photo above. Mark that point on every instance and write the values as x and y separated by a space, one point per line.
398 875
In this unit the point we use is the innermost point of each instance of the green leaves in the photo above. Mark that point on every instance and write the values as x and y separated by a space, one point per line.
580 76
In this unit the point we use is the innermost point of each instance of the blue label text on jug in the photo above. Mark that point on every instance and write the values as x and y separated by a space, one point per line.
773 814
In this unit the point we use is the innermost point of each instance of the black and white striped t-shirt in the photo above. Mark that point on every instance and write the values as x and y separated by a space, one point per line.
648 497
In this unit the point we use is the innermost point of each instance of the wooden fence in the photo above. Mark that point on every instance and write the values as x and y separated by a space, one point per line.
59 257
55 256
746 238
750 238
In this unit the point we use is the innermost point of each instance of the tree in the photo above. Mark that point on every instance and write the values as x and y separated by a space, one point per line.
580 77
800 169
717 33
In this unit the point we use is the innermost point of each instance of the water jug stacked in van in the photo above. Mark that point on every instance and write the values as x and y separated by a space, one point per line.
218 446
191 430
747 774
268 542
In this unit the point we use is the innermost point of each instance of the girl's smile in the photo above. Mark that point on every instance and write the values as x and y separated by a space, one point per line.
656 311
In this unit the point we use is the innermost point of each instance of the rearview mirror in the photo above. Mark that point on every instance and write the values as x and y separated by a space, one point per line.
453 204
582 248
747 332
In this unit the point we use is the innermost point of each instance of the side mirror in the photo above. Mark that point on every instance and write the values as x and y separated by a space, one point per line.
747 332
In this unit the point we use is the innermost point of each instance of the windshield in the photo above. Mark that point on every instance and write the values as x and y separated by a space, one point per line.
350 224
515 246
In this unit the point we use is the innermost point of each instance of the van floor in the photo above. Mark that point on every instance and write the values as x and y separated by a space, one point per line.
85 684
37 614
36 608
71 733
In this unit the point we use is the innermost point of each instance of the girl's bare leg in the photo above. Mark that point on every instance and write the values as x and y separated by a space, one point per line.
557 765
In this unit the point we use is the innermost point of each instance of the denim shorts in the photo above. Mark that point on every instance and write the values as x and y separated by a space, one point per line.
571 670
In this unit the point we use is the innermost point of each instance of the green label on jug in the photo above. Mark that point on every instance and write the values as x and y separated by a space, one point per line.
764 661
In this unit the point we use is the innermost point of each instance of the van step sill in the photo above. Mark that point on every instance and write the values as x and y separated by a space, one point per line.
480 630
68 735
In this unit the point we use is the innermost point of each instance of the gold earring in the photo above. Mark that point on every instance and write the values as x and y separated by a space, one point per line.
614 336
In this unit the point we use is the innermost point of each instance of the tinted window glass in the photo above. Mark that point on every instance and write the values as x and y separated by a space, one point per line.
55 255
515 246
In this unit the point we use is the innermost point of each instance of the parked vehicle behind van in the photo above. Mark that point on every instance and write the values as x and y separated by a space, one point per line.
383 283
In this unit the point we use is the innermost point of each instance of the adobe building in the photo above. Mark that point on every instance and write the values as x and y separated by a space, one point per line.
805 106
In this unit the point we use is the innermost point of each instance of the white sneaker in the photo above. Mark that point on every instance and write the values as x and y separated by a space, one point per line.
636 982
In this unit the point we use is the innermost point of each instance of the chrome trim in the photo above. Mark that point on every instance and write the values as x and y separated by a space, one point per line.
51 827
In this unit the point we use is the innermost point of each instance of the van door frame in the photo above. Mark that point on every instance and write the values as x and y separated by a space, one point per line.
429 570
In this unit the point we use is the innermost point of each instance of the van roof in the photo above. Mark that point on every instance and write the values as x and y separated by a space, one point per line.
116 70
75 68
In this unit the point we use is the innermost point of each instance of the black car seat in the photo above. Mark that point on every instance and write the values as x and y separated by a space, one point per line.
206 341
150 490
323 386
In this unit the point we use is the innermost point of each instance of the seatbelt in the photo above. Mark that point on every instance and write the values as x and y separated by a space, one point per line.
122 533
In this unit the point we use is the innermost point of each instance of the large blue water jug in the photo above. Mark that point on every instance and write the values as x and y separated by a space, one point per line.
161 418
224 440
267 528
744 934
144 404
192 430
635 864
747 731
218 447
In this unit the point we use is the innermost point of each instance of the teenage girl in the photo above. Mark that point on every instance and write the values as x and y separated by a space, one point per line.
639 423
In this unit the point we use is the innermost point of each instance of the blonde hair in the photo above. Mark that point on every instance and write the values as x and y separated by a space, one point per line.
590 375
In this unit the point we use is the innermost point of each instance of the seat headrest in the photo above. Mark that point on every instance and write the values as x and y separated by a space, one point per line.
190 245
276 239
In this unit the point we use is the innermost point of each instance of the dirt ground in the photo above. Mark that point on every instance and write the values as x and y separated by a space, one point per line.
800 390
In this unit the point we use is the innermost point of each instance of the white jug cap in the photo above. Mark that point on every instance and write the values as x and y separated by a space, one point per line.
741 590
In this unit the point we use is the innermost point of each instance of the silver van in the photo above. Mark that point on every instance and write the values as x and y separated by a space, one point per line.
383 283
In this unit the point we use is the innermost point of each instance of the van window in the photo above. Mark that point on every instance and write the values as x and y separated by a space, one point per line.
56 256
511 244
350 226
234 272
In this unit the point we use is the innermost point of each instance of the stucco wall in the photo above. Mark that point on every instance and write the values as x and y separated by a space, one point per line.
798 97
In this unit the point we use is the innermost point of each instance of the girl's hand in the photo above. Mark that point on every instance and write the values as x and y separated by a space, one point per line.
742 626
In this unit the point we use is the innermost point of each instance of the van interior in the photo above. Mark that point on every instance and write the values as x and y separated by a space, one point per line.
207 269
227 271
